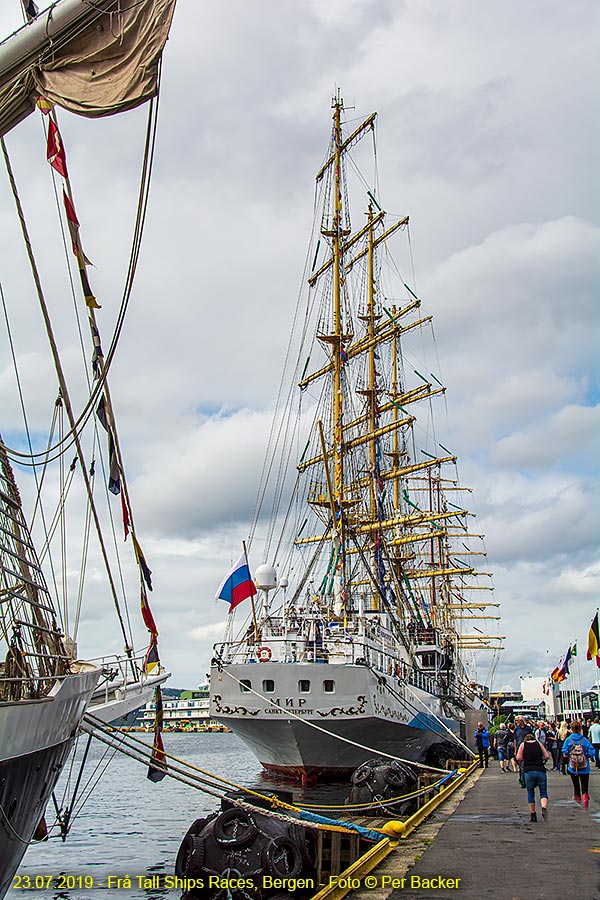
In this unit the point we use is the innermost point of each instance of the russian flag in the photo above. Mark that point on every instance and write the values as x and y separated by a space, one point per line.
237 584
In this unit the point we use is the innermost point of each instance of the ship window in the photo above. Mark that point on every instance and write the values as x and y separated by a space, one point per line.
268 686
245 685
304 686
329 686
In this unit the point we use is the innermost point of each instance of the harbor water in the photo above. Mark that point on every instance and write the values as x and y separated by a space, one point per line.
129 826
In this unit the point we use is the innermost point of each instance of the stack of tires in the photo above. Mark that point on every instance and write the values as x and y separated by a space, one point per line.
439 753
239 854
378 781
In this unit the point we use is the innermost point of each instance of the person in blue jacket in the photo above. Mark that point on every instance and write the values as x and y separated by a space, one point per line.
580 776
482 742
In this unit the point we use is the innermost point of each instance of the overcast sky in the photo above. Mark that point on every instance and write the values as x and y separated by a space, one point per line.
487 138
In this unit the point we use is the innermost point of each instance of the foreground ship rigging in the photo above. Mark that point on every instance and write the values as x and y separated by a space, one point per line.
95 60
371 603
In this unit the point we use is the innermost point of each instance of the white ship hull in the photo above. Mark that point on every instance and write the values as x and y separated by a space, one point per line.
35 739
348 714
114 702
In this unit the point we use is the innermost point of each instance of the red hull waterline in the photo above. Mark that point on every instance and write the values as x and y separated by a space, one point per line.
309 775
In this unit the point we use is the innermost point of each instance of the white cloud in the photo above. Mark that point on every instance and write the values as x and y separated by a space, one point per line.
493 163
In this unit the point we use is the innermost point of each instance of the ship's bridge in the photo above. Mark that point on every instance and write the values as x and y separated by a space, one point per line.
434 650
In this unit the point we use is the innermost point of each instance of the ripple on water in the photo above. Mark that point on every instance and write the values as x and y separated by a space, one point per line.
128 825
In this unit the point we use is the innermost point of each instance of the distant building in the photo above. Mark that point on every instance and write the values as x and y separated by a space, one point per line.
187 712
500 699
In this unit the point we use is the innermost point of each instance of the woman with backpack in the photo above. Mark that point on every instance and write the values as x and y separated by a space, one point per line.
578 751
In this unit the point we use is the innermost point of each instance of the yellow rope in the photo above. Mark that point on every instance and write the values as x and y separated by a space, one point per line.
381 801
105 726
271 798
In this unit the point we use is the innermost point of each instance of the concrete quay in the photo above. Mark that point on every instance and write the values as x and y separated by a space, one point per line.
483 837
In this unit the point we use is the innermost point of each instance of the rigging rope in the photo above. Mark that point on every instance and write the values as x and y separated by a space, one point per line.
63 385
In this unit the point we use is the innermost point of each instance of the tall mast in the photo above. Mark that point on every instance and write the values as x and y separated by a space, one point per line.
337 408
371 396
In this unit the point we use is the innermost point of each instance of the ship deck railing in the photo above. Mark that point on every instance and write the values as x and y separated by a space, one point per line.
117 671
352 652
30 687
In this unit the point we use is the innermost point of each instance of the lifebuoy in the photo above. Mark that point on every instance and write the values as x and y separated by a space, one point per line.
264 654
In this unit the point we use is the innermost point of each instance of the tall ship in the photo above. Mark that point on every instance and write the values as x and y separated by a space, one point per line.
371 607
59 433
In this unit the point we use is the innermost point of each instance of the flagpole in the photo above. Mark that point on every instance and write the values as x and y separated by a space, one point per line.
595 661
579 682
251 596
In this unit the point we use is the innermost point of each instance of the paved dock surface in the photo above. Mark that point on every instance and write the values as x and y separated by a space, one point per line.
484 838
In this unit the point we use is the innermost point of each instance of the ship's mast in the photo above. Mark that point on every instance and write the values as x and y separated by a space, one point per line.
337 407
371 393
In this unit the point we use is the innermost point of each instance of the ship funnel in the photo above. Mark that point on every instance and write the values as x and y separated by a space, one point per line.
265 578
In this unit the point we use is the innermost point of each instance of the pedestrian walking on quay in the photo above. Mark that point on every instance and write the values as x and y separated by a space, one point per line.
552 744
578 751
521 730
594 738
563 733
532 756
501 739
510 747
482 742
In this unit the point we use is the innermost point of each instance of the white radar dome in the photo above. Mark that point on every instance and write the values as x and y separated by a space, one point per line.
283 582
265 578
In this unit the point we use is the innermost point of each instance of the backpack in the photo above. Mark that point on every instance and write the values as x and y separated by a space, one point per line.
577 758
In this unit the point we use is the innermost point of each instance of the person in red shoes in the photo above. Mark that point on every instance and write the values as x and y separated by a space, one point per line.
578 751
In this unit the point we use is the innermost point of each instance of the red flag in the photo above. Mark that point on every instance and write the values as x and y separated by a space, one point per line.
126 520
82 260
73 223
158 764
55 153
147 613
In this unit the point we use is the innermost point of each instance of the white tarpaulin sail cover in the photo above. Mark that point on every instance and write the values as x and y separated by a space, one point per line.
92 59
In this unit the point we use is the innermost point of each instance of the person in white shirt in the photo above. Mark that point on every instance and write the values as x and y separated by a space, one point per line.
594 738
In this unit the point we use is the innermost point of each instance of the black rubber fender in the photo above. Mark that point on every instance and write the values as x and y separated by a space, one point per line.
306 839
190 857
235 828
362 775
282 857
395 778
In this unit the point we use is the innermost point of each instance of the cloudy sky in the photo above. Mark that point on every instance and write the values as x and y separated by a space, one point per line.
487 138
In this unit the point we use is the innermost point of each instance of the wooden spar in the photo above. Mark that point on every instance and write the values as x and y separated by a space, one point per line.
353 240
387 333
327 472
356 134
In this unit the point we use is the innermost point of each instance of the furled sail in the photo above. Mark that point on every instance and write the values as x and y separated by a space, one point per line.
94 60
